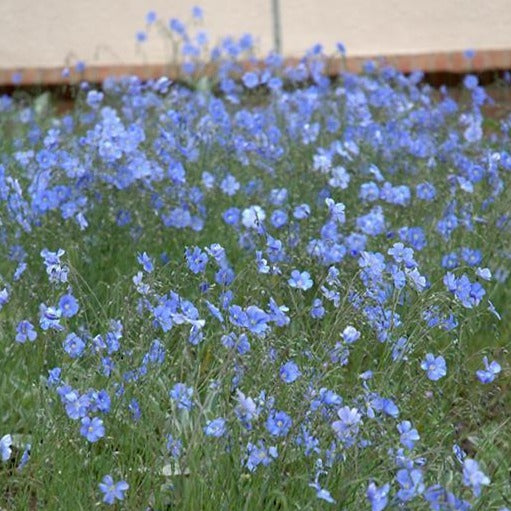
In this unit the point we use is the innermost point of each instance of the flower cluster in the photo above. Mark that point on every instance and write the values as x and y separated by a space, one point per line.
271 284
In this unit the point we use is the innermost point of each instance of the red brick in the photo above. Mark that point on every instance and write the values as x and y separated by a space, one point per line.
446 61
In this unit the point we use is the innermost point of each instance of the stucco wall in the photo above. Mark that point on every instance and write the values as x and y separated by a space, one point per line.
49 33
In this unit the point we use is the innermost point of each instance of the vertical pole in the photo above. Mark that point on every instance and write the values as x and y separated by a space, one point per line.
277 40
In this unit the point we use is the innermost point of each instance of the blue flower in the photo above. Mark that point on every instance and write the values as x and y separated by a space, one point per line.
54 376
385 405
112 491
208 180
278 423
309 443
322 494
232 216
472 257
278 218
450 261
216 428
150 17
246 410
196 259
411 484
68 305
197 12
253 217
229 185
348 425
4 297
490 372
99 401
92 429
182 395
250 80
378 497
415 236
473 476
434 366
350 334
340 178
278 313
470 82
439 498
373 223
336 210
426 191
409 435
483 273
417 280
146 262
20 269
300 280
256 320
24 457
94 98
317 311
25 331
237 316
369 192
278 196
134 409
5 447
289 372
177 26
259 455
73 345
76 406
302 211
174 446
50 318
402 254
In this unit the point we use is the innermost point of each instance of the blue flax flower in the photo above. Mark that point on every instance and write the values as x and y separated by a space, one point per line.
474 477
289 372
300 280
378 497
322 494
411 484
25 331
112 491
5 447
279 423
439 498
92 429
174 446
250 80
50 318
73 345
434 366
409 435
215 428
348 425
68 305
182 395
260 455
146 262
490 371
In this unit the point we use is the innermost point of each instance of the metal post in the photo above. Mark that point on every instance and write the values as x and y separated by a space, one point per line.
277 41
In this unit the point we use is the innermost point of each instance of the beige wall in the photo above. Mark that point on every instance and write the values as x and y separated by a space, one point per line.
44 33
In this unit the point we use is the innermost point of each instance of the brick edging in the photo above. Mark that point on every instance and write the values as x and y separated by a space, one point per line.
451 62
